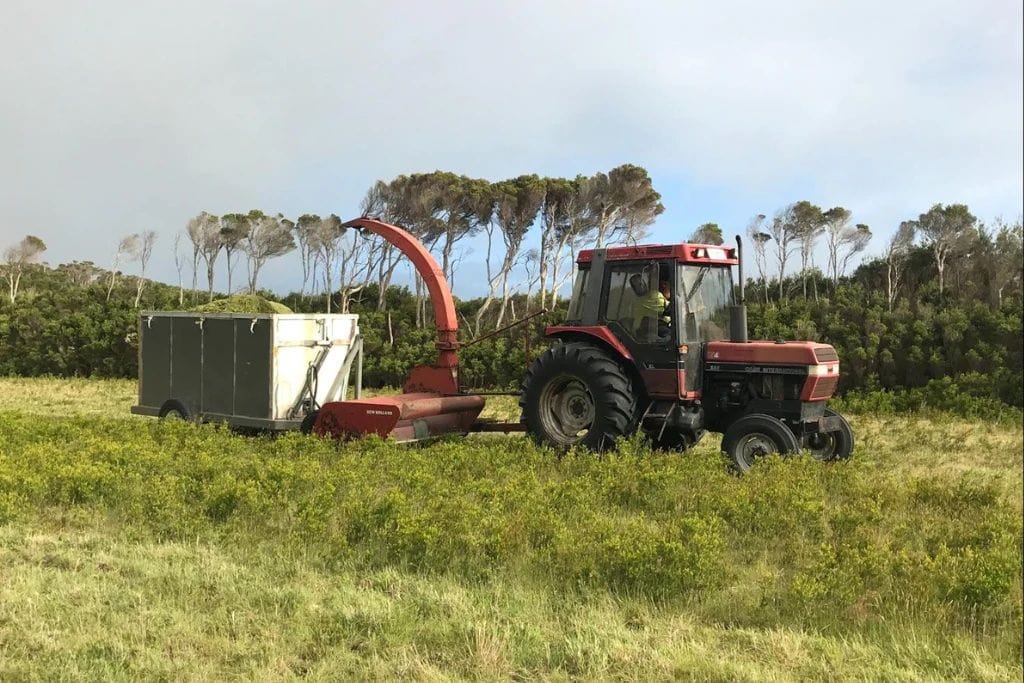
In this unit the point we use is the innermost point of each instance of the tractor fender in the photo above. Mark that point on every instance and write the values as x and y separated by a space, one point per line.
599 333
601 337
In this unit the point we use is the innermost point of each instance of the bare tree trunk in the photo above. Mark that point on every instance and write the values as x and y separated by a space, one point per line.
231 268
328 283
504 302
489 228
419 297
113 277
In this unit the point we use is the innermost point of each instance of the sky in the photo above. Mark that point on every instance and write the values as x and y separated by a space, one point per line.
123 116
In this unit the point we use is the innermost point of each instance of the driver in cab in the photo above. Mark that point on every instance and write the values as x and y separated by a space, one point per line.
654 305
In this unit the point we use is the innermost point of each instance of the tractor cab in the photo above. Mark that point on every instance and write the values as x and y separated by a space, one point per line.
657 305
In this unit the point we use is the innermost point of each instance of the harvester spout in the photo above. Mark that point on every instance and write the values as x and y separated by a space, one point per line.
426 265
431 403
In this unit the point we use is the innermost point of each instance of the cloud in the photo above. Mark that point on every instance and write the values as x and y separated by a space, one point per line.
121 116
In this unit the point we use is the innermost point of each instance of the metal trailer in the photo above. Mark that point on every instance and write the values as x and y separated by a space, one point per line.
255 370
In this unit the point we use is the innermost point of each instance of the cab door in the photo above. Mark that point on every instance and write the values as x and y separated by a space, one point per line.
626 286
690 346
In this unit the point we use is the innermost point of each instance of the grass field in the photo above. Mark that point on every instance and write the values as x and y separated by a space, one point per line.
136 549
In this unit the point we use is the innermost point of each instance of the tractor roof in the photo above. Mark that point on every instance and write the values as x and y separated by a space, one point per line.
685 253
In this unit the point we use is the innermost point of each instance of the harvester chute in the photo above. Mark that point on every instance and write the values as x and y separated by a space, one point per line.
431 403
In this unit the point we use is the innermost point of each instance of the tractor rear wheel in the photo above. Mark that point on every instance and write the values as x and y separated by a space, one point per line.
754 436
577 394
837 445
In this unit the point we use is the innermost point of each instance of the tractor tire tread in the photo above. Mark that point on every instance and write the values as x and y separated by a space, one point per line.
609 384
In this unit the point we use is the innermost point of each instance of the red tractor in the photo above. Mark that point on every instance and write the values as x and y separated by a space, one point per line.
653 341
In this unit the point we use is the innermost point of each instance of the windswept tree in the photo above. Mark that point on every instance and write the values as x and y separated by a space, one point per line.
837 229
145 251
305 237
844 241
516 203
326 238
783 231
945 229
234 228
759 243
570 234
808 225
451 198
707 233
17 258
204 233
857 241
127 250
383 201
416 197
558 193
896 254
622 202
268 237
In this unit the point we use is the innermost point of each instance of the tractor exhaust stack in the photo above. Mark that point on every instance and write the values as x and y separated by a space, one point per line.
738 313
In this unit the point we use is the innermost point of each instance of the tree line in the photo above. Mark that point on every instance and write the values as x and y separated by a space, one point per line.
940 299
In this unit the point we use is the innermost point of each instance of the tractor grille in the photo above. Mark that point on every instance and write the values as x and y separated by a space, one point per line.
824 387
825 355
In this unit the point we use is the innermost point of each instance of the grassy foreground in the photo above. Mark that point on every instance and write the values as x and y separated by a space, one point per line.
131 548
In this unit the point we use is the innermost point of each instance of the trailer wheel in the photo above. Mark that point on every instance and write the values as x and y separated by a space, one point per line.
174 409
836 445
755 436
576 394
308 422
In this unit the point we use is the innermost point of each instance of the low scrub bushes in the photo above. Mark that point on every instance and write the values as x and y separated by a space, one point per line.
966 396
793 542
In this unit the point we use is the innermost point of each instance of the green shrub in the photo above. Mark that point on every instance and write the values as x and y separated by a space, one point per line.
793 542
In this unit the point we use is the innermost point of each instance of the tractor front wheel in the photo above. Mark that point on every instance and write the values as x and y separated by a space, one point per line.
754 436
577 394
836 445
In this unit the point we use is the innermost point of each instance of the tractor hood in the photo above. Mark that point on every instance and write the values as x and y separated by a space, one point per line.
819 361
771 353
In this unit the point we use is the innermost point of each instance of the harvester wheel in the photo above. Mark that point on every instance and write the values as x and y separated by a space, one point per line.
576 394
837 445
174 409
754 436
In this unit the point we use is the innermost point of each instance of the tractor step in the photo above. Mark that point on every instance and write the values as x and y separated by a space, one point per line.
656 422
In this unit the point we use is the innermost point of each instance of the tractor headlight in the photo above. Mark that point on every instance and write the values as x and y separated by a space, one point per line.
823 370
